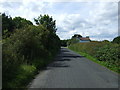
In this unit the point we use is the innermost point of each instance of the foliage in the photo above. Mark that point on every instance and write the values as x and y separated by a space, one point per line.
7 25
10 24
116 40
64 43
76 35
24 75
72 41
21 22
105 41
7 22
103 63
89 48
29 46
109 53
47 22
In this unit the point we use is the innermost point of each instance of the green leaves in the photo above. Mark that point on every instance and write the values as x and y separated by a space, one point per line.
9 24
21 22
64 42
116 40
30 45
108 53
47 22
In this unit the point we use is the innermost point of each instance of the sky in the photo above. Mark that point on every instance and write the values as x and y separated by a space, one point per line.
96 19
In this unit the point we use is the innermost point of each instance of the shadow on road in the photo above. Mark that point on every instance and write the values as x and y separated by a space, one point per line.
73 56
63 57
58 64
64 50
70 70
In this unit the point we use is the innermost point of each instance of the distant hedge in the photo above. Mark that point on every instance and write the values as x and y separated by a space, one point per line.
89 48
64 42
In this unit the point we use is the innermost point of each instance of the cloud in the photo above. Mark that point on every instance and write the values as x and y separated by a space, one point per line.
61 0
11 4
95 19
101 22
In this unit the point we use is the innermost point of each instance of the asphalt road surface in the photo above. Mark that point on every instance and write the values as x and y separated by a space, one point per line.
70 70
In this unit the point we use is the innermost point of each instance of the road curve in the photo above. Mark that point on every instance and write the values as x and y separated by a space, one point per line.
70 70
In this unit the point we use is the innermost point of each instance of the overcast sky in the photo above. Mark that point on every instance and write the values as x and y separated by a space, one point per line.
99 20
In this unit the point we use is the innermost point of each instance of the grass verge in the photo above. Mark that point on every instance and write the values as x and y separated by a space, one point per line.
103 63
26 73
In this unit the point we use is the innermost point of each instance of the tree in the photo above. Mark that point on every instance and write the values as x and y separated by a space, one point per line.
116 40
47 22
105 41
72 41
7 24
21 22
64 42
76 35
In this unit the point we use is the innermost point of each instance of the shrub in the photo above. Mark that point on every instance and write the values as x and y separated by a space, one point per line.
116 40
33 45
109 53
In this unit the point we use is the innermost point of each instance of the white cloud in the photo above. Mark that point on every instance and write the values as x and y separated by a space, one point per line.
61 0
97 20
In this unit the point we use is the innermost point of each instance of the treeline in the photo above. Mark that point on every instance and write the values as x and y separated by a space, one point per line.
64 42
107 53
26 48
9 24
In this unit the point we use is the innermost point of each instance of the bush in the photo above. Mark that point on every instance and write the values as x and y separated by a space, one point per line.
109 53
116 40
33 45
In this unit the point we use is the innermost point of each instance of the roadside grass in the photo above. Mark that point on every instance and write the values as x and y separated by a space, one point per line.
103 63
24 74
